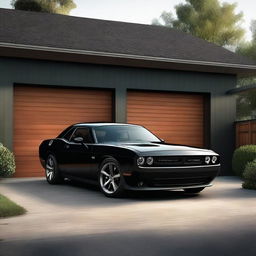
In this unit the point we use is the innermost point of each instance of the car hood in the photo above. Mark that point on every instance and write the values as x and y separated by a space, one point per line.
154 149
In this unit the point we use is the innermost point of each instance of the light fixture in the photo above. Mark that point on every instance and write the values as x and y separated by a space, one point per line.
150 160
207 159
214 159
140 160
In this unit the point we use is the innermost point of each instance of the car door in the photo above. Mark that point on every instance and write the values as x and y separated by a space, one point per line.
78 160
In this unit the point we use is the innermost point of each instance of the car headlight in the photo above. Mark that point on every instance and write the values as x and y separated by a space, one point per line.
149 160
207 159
214 159
140 160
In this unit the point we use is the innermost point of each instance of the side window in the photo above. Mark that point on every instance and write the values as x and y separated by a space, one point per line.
84 133
100 134
123 135
68 134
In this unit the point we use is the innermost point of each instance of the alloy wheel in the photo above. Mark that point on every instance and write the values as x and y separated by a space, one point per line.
110 177
50 168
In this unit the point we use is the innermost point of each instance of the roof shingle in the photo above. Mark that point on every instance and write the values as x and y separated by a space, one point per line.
60 31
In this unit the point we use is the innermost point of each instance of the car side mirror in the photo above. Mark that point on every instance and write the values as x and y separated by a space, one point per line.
78 139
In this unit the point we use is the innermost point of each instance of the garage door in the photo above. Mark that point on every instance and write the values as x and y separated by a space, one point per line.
41 113
177 118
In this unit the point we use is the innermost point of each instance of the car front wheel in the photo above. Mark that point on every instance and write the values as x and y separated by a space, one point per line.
52 171
110 178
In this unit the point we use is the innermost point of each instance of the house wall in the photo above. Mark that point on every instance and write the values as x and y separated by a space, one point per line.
222 106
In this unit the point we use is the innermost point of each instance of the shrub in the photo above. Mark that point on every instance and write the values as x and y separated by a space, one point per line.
250 175
241 157
7 163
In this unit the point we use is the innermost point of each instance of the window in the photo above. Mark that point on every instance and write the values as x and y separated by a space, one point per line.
68 134
84 133
124 133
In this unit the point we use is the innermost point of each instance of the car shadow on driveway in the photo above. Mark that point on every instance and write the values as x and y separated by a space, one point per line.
81 194
77 193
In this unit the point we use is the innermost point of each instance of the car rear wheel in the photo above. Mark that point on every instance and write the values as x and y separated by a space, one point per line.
52 171
193 190
110 178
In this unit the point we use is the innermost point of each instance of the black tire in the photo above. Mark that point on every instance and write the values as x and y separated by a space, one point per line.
52 173
111 190
193 190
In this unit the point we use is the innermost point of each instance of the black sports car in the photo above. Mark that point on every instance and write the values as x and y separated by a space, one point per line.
122 157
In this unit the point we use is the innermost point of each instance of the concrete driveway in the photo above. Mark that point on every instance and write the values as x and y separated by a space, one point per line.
73 219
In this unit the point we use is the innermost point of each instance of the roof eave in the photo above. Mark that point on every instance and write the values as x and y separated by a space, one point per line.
242 89
83 56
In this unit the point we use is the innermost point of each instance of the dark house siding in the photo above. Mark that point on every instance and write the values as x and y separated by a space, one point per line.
35 72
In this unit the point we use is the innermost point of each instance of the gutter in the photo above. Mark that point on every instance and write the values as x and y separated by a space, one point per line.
125 56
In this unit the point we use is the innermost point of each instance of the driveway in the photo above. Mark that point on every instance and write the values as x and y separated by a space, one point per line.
75 219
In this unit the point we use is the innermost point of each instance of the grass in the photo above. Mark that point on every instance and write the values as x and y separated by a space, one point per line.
8 208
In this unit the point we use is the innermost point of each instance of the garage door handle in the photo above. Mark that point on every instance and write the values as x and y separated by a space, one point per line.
66 146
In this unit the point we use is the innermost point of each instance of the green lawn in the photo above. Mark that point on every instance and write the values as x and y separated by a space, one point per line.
8 208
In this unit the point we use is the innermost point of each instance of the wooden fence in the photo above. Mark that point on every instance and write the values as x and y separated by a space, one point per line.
245 133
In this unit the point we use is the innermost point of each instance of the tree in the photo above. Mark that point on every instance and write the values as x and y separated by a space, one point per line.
249 48
207 19
166 18
246 102
50 6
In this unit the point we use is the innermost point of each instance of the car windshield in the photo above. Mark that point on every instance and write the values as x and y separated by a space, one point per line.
124 134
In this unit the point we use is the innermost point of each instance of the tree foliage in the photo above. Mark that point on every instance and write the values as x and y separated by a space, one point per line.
246 102
207 19
50 6
249 48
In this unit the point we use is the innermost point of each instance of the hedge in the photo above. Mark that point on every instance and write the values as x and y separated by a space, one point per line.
241 157
7 162
249 175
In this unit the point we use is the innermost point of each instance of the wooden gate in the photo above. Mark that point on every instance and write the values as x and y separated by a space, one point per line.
245 133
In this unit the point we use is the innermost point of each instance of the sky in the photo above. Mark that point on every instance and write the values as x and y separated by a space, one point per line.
143 11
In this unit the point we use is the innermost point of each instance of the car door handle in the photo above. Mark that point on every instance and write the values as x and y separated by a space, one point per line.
66 146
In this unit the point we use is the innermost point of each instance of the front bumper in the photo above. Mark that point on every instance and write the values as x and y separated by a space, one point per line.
171 178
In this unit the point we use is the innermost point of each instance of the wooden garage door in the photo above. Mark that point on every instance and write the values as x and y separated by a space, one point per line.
177 118
42 113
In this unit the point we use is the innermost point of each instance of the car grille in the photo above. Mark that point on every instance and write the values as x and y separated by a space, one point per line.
177 179
162 161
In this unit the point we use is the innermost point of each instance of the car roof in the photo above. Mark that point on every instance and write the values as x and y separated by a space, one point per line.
96 124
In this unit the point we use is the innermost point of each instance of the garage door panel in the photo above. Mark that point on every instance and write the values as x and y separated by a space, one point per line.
173 130
41 113
38 106
167 108
170 103
55 102
55 90
175 117
58 119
